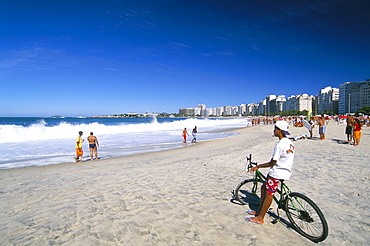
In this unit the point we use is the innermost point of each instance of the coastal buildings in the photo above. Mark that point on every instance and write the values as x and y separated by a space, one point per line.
350 97
299 103
353 96
328 100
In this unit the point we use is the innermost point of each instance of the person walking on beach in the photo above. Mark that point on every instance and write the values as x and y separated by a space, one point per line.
93 145
349 128
79 151
280 166
184 133
312 125
322 128
357 132
194 133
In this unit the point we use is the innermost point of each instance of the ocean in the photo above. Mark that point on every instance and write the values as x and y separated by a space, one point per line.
26 142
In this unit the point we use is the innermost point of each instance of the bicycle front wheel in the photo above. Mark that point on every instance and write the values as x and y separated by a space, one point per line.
248 192
306 216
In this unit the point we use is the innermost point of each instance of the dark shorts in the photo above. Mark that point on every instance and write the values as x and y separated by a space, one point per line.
92 146
349 130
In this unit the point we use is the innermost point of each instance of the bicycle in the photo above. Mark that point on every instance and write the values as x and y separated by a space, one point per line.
302 212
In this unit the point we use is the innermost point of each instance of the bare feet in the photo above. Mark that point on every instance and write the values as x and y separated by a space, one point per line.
251 212
254 220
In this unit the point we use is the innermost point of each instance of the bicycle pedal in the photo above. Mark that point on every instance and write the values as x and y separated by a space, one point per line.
275 221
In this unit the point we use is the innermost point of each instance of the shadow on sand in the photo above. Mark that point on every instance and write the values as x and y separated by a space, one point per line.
340 141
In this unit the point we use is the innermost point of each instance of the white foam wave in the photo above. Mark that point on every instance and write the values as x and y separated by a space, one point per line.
41 131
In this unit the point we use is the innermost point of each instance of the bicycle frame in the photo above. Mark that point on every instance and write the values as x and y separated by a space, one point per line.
302 212
283 190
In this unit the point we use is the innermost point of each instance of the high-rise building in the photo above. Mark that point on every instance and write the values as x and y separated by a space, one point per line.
299 103
365 94
242 109
187 111
262 107
202 109
328 100
277 104
353 96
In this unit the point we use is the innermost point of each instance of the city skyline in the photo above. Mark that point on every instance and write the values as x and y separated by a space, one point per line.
84 58
336 100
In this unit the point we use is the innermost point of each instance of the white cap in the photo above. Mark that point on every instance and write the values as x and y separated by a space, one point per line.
282 125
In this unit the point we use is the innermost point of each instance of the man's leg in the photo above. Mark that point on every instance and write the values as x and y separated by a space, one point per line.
262 199
96 152
260 218
266 199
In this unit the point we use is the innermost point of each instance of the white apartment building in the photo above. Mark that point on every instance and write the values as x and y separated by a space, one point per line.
300 102
202 109
242 109
219 111
328 99
252 108
305 102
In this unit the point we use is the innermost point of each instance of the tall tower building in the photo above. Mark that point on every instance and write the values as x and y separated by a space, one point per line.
353 96
202 109
328 100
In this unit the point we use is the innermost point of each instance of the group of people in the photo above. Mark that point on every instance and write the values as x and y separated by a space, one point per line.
193 133
353 130
321 122
93 146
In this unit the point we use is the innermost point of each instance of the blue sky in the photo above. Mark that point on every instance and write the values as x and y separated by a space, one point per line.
84 58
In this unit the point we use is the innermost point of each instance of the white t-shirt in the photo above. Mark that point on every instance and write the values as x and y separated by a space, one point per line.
284 156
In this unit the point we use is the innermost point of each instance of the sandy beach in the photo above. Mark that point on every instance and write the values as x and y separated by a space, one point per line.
183 196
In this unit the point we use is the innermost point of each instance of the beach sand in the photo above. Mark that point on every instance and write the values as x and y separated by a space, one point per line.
183 196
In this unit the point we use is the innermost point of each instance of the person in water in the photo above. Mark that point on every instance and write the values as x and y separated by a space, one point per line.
184 134
93 146
194 133
79 151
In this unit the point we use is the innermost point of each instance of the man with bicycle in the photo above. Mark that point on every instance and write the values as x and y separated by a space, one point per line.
280 166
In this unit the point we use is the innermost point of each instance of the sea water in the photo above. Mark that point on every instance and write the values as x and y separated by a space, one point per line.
28 142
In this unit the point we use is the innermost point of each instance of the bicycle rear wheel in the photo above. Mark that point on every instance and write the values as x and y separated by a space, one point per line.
306 216
248 192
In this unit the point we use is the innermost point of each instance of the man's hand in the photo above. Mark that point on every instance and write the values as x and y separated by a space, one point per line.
252 169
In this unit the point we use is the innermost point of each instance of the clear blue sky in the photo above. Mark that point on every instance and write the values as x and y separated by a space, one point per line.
91 57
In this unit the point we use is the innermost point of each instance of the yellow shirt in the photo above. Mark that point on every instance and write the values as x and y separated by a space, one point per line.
78 143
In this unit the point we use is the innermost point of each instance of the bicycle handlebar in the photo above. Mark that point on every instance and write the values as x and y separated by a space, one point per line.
250 163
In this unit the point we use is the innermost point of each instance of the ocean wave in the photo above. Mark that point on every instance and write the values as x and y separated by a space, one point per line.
41 131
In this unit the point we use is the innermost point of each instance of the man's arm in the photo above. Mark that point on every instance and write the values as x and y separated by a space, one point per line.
271 163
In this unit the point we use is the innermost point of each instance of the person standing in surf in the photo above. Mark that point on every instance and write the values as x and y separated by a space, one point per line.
93 146
184 133
194 133
79 151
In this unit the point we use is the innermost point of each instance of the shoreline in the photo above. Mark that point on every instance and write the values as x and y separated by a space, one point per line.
43 151
155 145
182 196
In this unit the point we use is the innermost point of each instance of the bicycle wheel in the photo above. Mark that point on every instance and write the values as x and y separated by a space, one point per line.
306 217
248 192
